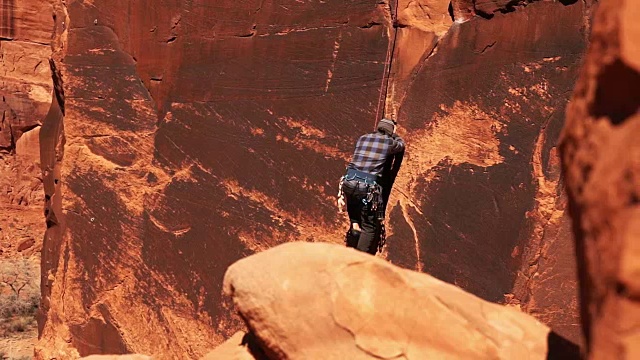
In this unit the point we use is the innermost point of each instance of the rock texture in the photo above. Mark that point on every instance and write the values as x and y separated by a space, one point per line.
25 96
322 301
146 211
601 160
480 191
187 135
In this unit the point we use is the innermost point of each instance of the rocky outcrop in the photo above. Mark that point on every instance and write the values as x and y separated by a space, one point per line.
600 154
187 136
322 301
25 97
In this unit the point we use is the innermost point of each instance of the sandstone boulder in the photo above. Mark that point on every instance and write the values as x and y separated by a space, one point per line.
322 301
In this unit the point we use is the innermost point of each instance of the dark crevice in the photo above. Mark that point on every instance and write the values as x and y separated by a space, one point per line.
12 143
26 129
369 25
251 33
253 345
484 15
57 85
623 291
2 38
176 22
451 13
560 348
511 7
172 39
398 25
617 94
259 7
94 136
488 47
35 68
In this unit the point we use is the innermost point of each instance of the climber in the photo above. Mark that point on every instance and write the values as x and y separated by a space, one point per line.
365 187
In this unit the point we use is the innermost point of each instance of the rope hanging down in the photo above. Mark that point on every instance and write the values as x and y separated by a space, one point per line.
386 74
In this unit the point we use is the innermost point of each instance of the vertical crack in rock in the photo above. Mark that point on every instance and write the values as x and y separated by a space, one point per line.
390 15
392 27
544 214
404 206
417 27
336 49
413 38
52 147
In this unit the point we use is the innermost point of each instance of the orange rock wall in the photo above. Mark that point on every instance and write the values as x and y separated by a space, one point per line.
25 96
187 135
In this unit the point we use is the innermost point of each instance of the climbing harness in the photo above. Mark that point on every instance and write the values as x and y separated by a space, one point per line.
373 199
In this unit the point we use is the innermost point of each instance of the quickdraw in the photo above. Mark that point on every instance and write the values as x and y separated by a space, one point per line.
374 197
383 237
341 202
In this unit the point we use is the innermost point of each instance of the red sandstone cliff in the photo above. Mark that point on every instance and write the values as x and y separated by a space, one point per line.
25 97
186 135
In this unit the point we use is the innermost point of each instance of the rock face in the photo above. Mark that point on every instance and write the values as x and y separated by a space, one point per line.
601 160
187 135
154 208
322 301
480 191
25 96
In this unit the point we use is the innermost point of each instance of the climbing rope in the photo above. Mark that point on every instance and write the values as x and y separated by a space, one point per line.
386 74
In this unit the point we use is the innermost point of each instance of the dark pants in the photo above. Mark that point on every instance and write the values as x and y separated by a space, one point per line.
368 238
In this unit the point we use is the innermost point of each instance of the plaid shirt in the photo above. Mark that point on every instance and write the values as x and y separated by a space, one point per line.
373 150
